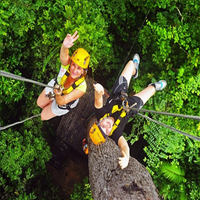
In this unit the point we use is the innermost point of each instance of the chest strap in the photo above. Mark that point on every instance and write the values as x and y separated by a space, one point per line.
115 108
73 86
116 124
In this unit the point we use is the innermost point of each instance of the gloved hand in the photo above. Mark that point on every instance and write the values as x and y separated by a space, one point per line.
57 90
69 40
99 89
123 161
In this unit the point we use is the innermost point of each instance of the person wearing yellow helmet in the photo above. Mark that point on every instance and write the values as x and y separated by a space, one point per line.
112 117
70 83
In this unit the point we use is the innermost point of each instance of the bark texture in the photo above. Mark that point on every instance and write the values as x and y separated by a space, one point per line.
109 182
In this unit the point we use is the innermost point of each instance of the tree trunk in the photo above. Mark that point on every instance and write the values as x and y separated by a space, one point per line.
108 181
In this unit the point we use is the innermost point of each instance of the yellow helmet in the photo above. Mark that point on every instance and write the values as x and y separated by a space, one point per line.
97 135
81 57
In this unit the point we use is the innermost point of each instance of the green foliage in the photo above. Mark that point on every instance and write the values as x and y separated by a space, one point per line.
82 191
123 28
23 156
176 176
31 35
11 90
170 48
137 124
182 153
173 172
43 188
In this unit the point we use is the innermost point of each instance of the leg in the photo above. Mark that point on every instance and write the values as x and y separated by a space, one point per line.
42 100
131 68
146 94
129 71
47 113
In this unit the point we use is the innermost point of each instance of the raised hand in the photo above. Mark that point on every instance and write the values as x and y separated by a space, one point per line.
123 161
98 88
69 40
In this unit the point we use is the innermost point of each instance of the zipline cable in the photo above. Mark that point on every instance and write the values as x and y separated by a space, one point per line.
8 126
171 128
14 76
134 42
10 75
166 113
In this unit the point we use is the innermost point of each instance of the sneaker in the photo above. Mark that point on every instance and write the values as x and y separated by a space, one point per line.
136 60
160 85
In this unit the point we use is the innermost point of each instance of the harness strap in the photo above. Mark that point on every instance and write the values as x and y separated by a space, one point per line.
73 86
115 108
122 115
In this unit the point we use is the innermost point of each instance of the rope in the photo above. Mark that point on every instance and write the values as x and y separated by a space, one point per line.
166 113
8 126
10 75
169 127
133 42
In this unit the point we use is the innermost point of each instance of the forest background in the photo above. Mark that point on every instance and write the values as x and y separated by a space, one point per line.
31 34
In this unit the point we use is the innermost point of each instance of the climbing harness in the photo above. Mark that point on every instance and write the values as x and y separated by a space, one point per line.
73 86
123 97
96 133
61 81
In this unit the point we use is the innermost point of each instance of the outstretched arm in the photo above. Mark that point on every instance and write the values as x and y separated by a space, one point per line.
98 95
123 161
64 51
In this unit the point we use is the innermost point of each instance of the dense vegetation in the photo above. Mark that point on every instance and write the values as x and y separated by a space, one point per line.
30 37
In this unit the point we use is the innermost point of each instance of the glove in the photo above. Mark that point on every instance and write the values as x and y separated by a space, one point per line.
99 88
123 161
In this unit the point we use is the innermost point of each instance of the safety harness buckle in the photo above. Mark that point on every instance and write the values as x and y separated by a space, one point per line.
124 99
50 95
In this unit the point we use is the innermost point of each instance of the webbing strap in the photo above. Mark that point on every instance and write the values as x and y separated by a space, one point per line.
123 114
115 108
73 86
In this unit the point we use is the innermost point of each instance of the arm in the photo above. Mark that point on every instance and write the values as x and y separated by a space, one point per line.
64 99
123 161
98 95
64 51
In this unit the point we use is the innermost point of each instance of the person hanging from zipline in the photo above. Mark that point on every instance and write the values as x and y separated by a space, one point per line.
70 84
113 116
